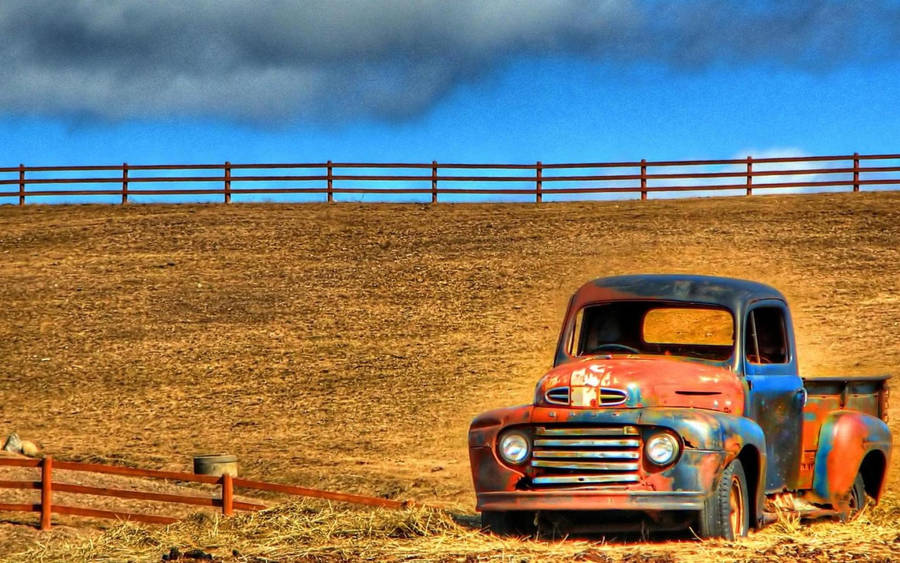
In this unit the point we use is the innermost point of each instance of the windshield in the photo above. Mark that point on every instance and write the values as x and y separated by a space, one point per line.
641 327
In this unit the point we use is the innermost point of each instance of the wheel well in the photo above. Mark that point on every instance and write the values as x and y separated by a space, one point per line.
872 471
749 458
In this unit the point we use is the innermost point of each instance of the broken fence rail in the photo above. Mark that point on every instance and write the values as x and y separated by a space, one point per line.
226 501
330 178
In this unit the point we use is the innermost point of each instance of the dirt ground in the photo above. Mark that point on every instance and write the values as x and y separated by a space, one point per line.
348 346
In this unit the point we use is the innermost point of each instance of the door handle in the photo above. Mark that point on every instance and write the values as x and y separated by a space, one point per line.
802 393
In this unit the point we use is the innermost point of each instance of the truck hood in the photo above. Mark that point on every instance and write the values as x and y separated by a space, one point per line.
641 381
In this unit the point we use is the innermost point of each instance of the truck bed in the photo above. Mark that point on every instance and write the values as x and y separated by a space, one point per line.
867 394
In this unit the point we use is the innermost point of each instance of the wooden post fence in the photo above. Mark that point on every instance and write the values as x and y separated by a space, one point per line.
434 175
643 178
227 182
46 492
227 495
124 183
21 184
226 501
749 175
329 178
811 173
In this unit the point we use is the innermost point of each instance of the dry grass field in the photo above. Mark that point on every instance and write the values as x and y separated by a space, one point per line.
348 346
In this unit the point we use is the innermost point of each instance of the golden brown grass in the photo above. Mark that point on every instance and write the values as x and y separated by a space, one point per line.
348 346
315 531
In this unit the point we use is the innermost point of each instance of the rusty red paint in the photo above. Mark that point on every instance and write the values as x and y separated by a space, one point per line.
717 410
651 382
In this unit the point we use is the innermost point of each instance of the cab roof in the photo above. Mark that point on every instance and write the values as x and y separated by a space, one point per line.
731 293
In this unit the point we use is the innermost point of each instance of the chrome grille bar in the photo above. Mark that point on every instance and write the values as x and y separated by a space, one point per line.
600 431
587 454
588 465
558 395
601 442
585 479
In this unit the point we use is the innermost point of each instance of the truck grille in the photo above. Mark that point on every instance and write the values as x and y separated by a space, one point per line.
597 397
585 456
558 395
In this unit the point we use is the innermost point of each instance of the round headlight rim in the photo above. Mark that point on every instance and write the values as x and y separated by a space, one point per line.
663 435
501 452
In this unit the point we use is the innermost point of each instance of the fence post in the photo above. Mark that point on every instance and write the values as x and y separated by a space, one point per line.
124 183
433 181
749 175
539 183
329 176
21 184
643 178
856 172
46 492
227 495
227 181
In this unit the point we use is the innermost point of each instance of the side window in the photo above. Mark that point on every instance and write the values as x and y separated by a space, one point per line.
766 336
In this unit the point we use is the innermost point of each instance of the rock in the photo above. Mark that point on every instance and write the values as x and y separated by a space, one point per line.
30 449
13 444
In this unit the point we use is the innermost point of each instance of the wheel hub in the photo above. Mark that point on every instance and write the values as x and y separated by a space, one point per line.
736 508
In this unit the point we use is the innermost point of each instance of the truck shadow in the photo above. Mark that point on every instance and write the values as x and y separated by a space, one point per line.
620 527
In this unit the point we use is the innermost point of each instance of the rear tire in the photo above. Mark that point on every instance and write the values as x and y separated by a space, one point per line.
507 523
726 513
858 498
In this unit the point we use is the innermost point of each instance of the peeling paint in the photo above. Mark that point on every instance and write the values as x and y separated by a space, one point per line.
810 441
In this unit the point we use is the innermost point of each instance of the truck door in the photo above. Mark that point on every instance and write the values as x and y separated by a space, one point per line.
776 394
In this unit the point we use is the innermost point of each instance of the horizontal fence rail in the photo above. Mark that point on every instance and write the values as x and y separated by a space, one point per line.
539 180
226 502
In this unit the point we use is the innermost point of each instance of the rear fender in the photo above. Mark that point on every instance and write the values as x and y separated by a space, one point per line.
845 440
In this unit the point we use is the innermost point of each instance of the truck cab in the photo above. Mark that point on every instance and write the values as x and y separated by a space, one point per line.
675 401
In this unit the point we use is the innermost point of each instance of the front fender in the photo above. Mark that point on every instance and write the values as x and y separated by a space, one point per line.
710 430
717 431
488 474
484 428
845 439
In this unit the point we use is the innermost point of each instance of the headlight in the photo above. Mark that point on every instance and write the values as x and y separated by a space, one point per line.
514 447
662 448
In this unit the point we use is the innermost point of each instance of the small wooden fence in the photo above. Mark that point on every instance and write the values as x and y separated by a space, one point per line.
225 501
538 180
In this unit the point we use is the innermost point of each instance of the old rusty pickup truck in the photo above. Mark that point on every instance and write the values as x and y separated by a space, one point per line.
675 402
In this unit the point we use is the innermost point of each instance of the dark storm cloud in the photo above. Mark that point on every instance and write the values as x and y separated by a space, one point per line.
270 60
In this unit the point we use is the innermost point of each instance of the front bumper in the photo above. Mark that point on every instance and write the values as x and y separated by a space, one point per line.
710 441
590 499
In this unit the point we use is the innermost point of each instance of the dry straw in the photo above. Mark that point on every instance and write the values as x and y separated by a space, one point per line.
311 530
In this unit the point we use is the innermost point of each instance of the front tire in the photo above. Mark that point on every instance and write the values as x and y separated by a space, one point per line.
726 513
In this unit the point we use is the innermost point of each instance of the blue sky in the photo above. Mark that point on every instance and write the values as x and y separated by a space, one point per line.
551 110
523 82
